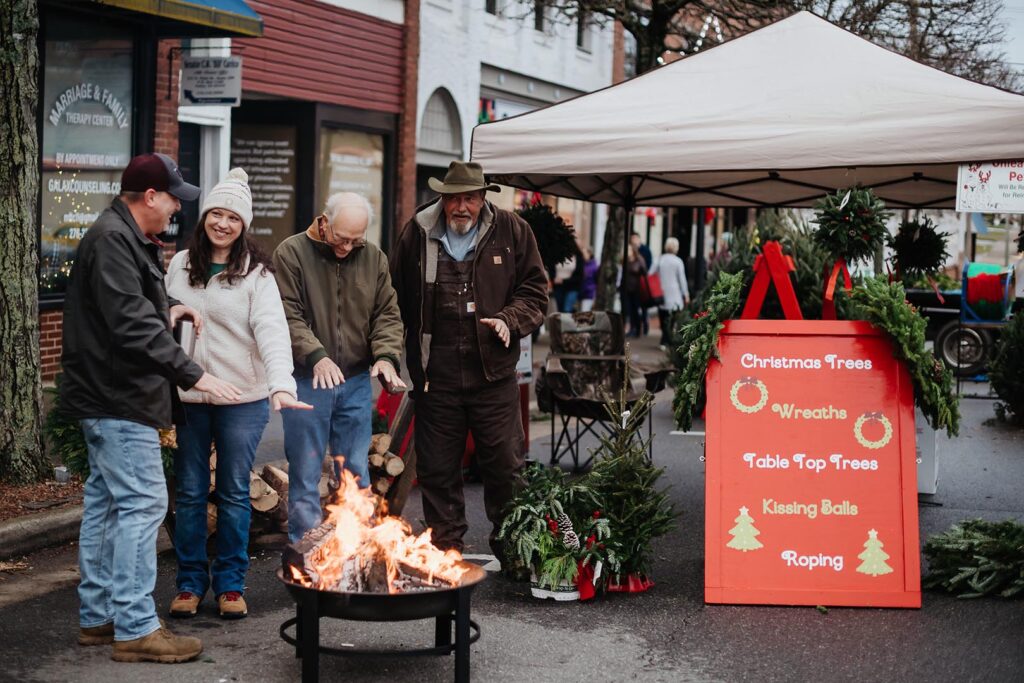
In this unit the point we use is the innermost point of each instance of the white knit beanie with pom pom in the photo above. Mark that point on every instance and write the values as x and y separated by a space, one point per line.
232 194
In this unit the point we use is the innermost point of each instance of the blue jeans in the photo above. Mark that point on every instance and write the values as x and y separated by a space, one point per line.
125 501
236 430
342 419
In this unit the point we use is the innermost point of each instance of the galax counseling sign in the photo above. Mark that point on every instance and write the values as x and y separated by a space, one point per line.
811 476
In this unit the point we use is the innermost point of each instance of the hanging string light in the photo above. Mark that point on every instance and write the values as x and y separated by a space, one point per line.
710 21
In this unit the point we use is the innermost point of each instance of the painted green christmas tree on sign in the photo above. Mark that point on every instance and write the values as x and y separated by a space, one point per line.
744 535
873 558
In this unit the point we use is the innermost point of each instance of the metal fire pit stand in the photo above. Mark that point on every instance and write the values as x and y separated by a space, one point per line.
310 608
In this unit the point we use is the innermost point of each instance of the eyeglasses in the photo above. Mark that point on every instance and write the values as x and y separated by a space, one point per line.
334 241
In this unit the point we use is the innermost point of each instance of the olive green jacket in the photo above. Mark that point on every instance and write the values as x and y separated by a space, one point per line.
342 308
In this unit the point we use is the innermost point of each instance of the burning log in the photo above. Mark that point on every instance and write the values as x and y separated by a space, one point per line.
360 549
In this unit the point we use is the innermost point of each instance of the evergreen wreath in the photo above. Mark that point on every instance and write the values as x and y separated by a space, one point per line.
851 224
556 241
698 343
885 306
977 558
918 250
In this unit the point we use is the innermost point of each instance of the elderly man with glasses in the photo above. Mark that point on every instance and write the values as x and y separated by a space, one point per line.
345 328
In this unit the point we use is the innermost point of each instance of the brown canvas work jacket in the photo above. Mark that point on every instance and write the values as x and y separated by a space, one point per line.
508 277
342 308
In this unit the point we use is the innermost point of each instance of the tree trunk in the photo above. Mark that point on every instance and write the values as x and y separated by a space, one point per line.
21 450
611 259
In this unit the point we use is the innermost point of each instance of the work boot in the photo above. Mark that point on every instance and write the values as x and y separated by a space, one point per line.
185 605
232 605
96 635
159 646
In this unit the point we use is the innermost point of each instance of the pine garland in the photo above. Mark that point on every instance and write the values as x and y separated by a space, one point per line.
698 343
851 224
885 306
919 250
977 558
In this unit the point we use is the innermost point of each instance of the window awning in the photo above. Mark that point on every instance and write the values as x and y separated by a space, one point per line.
226 17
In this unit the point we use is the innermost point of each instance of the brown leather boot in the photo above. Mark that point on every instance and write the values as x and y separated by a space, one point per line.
96 635
159 646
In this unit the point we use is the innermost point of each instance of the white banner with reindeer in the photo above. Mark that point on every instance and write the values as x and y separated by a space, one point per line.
997 187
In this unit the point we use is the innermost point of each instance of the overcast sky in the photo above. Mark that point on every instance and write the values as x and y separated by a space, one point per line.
1013 13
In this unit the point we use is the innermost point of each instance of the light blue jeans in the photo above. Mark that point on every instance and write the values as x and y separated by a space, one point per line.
342 418
125 502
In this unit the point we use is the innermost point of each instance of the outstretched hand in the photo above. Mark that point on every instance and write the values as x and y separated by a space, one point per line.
282 399
500 329
389 376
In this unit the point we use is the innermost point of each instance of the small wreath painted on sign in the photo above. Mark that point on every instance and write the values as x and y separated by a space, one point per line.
734 394
858 430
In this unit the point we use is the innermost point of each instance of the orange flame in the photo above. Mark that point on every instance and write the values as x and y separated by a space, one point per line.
364 533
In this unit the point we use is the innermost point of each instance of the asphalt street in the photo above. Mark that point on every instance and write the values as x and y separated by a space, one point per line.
667 634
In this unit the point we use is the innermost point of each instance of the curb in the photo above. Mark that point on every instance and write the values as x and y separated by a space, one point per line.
27 534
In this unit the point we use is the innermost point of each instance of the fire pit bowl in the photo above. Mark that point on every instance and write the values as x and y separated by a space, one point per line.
448 605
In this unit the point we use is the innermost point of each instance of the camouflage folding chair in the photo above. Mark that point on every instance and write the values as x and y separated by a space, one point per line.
584 370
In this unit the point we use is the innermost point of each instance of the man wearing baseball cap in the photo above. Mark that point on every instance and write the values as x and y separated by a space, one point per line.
119 362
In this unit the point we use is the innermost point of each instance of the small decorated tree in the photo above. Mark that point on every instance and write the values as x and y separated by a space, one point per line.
1006 372
744 534
873 559
626 483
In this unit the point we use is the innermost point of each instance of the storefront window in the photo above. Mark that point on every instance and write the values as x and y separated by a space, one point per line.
353 161
267 153
87 142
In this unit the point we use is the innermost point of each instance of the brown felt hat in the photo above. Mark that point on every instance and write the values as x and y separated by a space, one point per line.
462 176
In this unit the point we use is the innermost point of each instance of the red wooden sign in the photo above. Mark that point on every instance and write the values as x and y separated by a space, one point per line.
811 493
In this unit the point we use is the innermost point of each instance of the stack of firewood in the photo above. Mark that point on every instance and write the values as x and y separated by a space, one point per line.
384 465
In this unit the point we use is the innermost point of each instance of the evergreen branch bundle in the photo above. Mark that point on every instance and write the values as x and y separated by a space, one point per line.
851 224
885 306
698 342
977 558
64 437
919 251
1020 241
556 241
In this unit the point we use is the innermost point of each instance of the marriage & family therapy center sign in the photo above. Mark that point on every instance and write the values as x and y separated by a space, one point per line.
811 495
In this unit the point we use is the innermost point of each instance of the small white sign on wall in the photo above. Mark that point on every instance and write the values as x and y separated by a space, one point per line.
211 81
996 187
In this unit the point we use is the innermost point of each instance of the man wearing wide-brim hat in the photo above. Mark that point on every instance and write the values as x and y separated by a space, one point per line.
470 284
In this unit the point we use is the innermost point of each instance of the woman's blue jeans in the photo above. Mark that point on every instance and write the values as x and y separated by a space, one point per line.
236 430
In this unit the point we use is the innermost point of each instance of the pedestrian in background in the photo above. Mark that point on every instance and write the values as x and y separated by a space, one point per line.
119 359
588 283
470 284
636 268
226 275
672 273
645 254
345 329
567 278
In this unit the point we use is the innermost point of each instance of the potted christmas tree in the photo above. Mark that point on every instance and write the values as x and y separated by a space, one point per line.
543 529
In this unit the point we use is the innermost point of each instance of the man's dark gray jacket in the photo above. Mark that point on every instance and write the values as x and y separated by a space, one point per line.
119 356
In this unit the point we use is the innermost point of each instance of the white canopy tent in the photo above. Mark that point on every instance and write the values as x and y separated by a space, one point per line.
777 117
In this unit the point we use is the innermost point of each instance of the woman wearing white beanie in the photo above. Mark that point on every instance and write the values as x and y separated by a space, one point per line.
227 278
